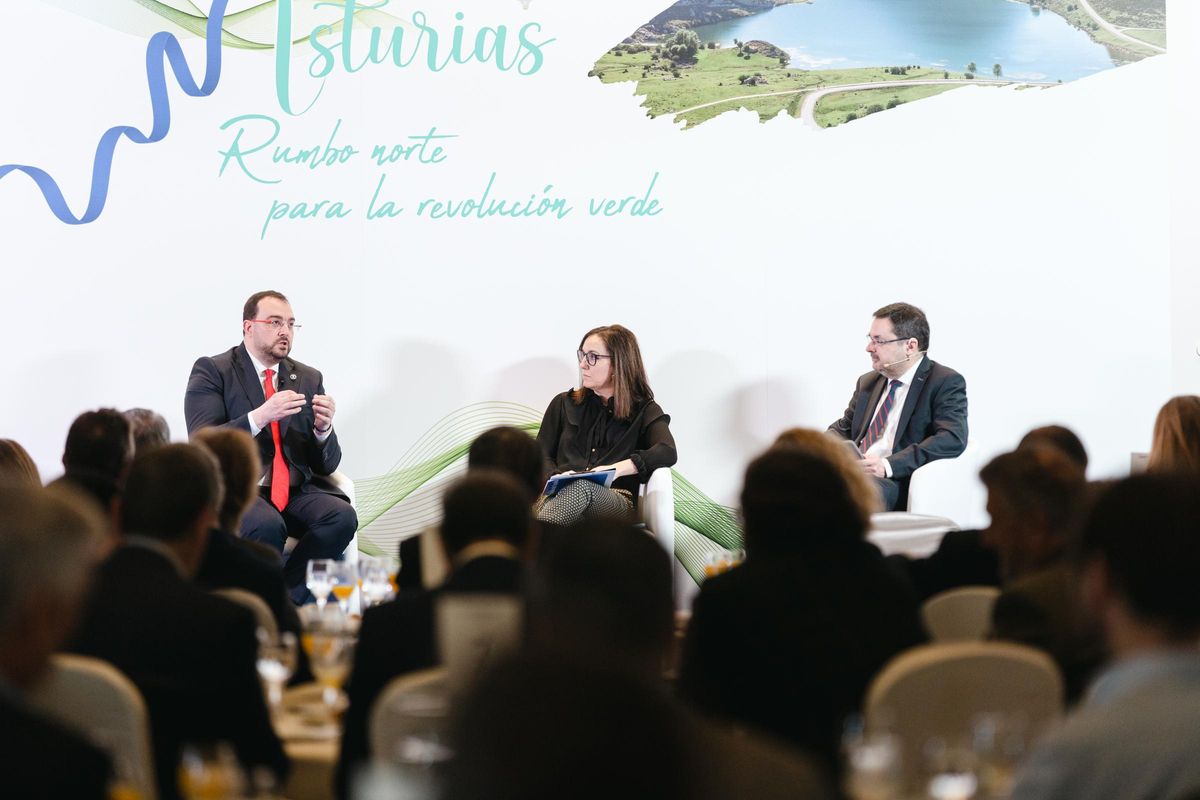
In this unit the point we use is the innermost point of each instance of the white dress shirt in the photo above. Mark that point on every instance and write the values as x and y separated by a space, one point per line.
884 445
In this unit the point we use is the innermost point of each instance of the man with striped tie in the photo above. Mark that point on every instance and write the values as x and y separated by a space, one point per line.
258 388
909 409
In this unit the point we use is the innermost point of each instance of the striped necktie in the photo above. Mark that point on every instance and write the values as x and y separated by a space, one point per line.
880 423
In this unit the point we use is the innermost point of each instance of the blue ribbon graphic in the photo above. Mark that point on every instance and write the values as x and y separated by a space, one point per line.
163 47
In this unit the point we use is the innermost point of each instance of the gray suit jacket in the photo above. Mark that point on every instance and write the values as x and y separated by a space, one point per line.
933 422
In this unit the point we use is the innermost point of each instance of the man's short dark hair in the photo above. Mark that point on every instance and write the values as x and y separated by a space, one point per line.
250 310
1059 437
168 489
486 504
150 429
99 442
795 501
1039 479
510 450
908 322
1145 531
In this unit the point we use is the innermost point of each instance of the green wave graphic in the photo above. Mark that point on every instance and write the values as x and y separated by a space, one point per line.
195 22
407 498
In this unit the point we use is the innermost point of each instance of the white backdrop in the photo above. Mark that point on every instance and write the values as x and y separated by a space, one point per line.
1033 228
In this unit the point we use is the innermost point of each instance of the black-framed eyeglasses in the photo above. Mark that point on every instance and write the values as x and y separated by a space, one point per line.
877 341
279 324
590 357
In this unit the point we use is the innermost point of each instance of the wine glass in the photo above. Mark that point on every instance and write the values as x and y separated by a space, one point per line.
873 762
998 741
276 664
319 579
330 657
374 580
343 581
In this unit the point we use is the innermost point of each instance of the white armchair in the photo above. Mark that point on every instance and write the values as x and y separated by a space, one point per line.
656 508
950 488
342 483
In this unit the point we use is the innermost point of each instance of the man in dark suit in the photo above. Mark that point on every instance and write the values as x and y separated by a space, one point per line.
48 540
192 655
908 410
97 453
257 388
486 520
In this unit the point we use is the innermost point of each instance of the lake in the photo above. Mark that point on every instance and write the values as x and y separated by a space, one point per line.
838 34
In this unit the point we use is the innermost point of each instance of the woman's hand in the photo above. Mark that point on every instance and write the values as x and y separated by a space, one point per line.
623 468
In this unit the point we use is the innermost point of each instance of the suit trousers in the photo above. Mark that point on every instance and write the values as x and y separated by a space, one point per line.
324 523
889 492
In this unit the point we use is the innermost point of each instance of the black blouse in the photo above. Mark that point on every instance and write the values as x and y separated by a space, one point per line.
580 437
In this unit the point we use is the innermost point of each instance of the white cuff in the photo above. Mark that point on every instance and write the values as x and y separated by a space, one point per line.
254 429
321 437
887 468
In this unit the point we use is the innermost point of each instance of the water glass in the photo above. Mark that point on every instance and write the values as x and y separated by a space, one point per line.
998 742
277 664
873 762
319 579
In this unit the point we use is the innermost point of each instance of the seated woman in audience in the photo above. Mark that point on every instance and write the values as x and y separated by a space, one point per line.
1176 445
16 467
610 422
788 641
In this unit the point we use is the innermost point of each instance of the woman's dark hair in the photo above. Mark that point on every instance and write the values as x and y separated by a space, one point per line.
798 501
630 387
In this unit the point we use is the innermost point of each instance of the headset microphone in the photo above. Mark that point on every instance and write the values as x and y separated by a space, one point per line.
894 363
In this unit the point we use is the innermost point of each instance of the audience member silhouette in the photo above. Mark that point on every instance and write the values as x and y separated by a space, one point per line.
191 654
788 641
485 523
232 562
1036 495
1135 733
150 429
1176 443
97 454
48 544
16 466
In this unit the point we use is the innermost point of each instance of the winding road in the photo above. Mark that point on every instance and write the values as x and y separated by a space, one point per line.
1114 30
808 109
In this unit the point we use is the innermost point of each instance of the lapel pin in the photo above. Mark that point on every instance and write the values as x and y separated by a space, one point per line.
292 377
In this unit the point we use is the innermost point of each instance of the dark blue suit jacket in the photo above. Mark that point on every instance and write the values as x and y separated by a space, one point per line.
933 422
224 389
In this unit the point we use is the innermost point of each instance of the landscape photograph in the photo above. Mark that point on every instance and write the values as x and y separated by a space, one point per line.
829 62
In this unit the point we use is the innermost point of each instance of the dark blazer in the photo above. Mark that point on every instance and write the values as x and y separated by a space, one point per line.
42 759
399 637
224 389
960 560
788 644
933 422
230 562
192 656
1043 610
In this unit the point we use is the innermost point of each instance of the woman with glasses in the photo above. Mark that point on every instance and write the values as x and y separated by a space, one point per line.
610 422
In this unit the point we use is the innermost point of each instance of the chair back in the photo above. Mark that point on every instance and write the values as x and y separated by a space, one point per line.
963 614
263 617
410 718
940 690
474 631
95 698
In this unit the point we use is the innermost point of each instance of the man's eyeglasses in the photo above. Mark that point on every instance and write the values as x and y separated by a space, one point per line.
278 324
877 341
590 357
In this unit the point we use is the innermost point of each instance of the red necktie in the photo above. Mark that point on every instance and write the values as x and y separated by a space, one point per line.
279 470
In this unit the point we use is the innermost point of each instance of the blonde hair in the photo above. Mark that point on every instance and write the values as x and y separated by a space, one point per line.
1176 443
862 490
